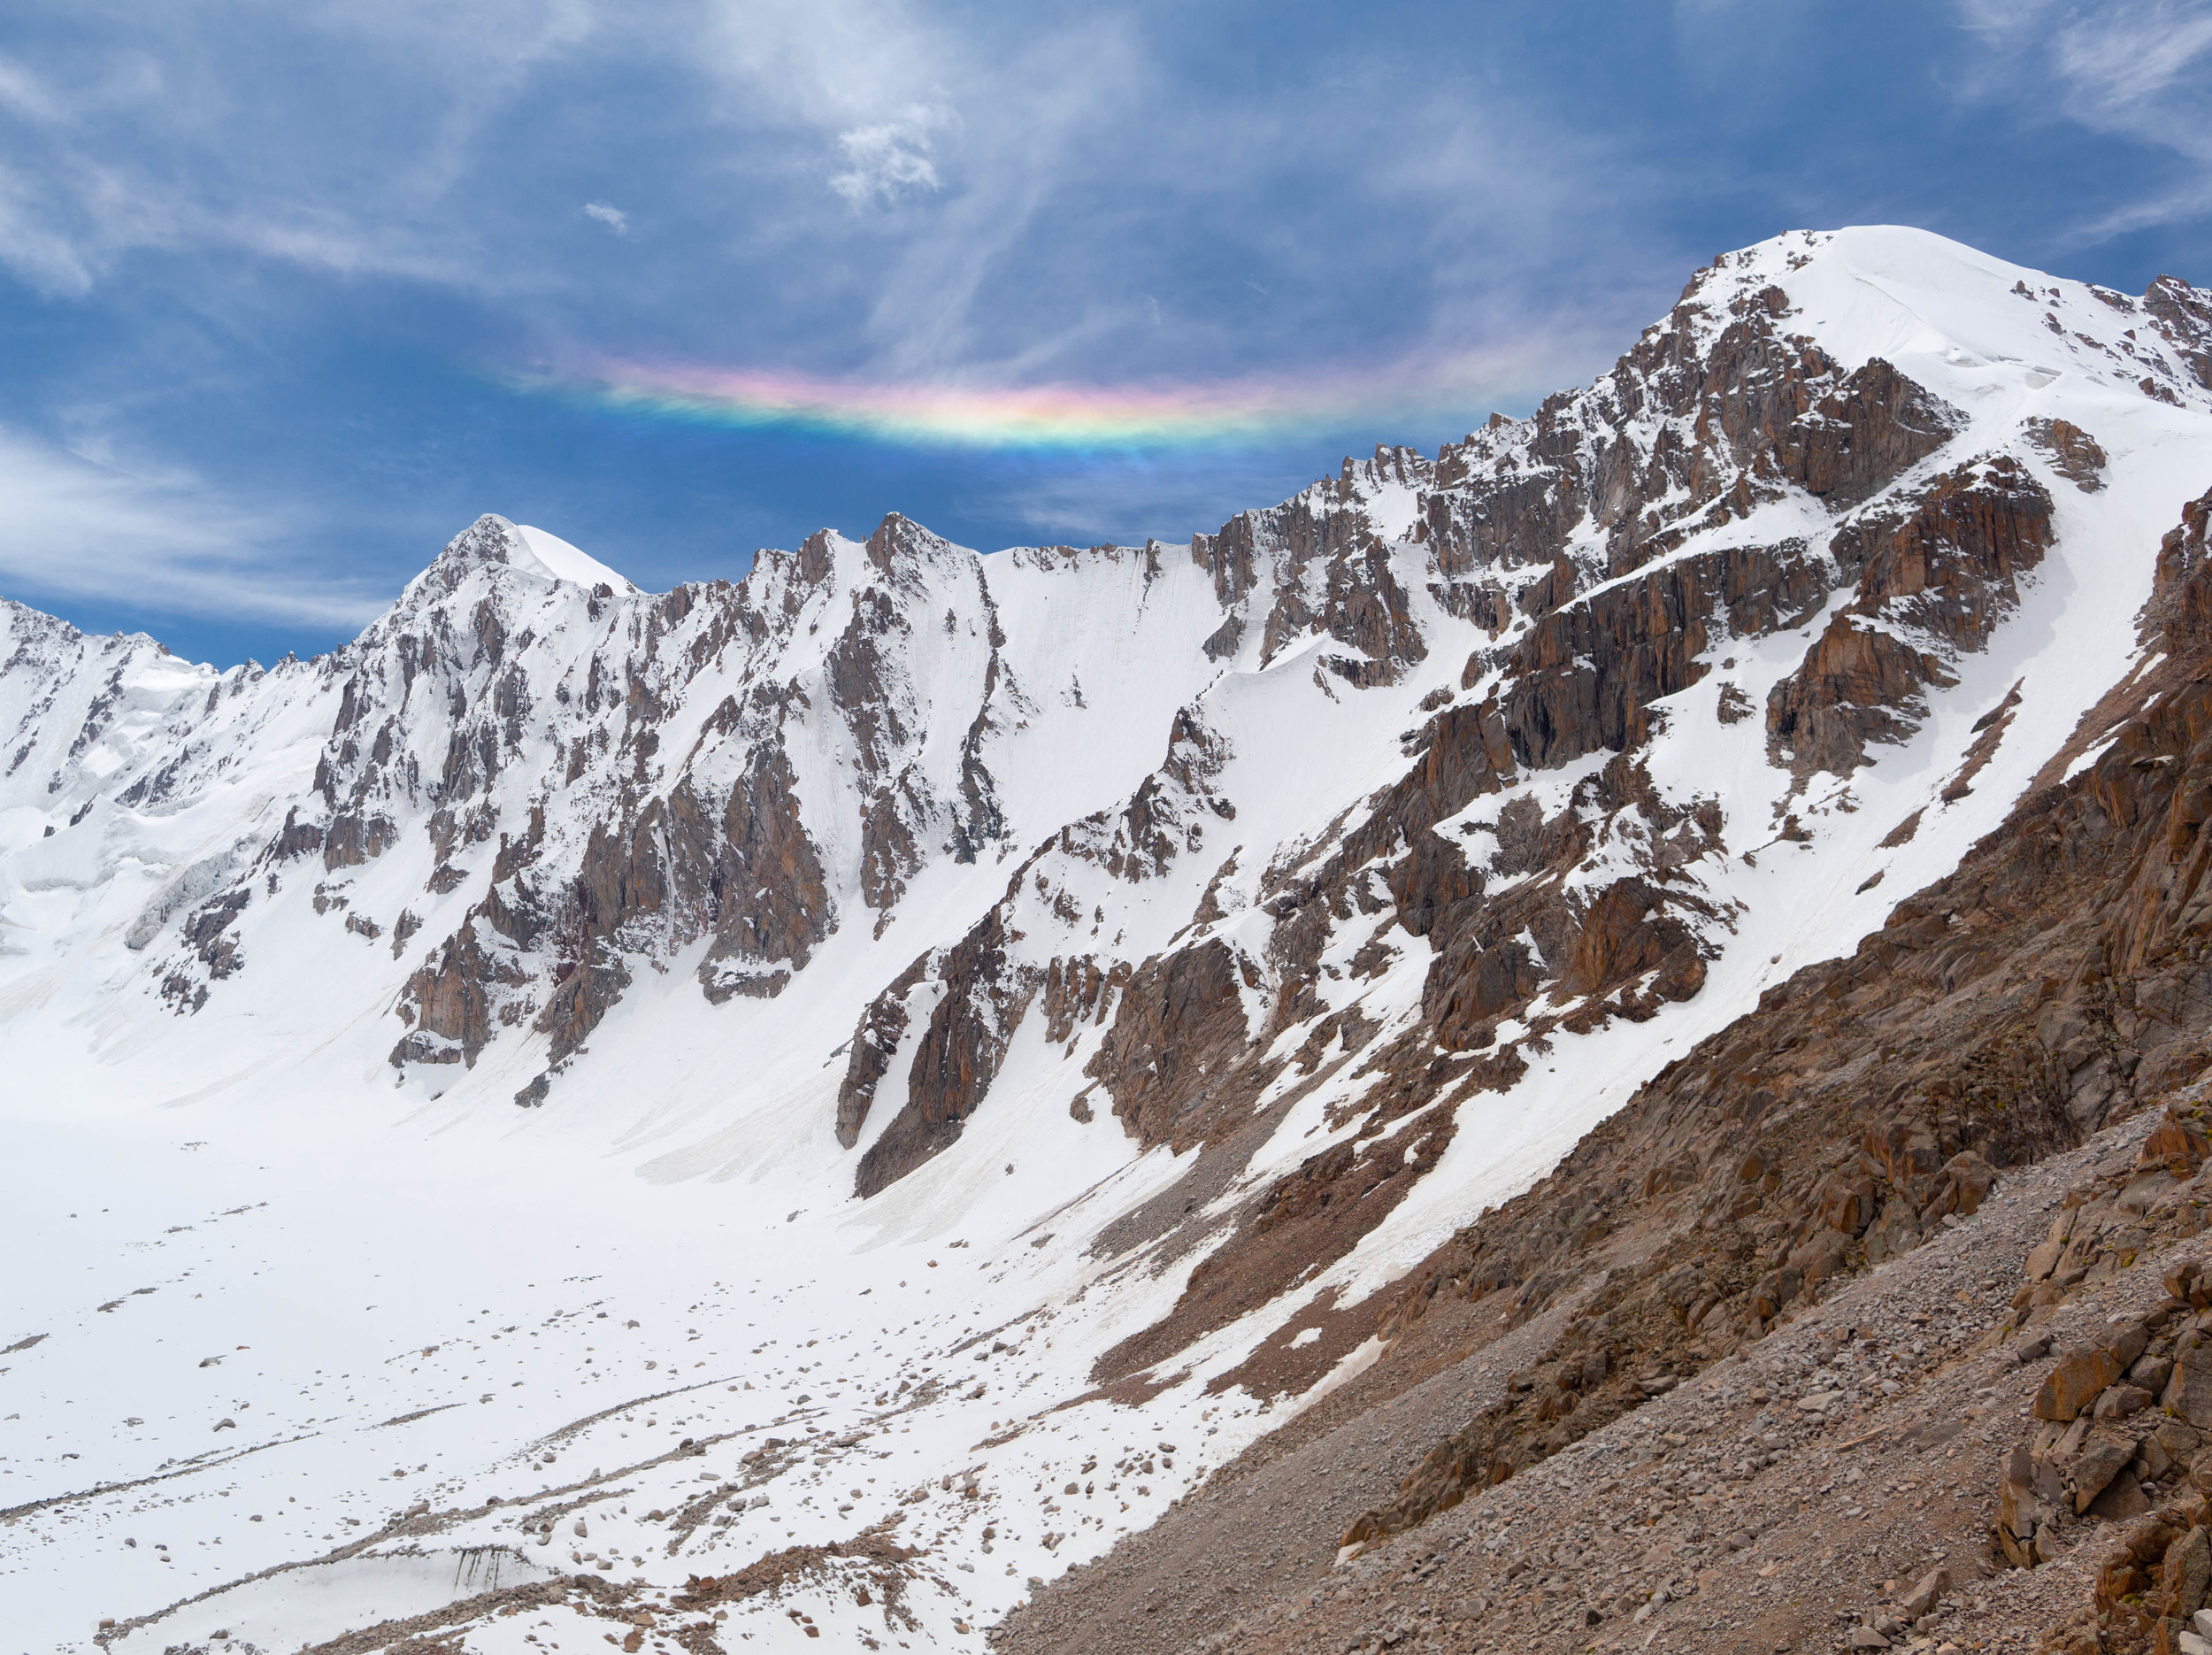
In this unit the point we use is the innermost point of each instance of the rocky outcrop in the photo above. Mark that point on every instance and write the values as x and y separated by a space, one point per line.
1580 679
1167 816
2122 1431
1181 1021
2180 612
873 1046
1741 409
1275 553
1934 576
985 994
2073 454
765 890
449 1001
2183 316
1585 675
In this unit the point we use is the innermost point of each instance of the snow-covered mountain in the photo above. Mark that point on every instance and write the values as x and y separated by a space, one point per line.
1168 947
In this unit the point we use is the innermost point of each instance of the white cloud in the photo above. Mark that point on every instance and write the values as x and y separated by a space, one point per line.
2136 69
79 525
885 161
144 138
877 85
612 217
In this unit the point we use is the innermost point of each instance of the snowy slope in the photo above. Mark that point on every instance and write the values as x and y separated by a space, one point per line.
553 966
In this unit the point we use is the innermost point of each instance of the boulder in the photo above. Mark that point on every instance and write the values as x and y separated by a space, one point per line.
2188 1392
2120 1402
2074 1384
2071 1438
2126 1337
2025 1503
2176 1146
2101 1459
2185 1572
1965 1182
2146 1541
2152 1461
1820 1258
1924 1594
2118 1579
2123 1499
1775 1289
2043 1259
2179 1439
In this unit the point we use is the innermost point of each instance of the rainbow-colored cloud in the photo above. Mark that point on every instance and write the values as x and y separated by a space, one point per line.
1052 416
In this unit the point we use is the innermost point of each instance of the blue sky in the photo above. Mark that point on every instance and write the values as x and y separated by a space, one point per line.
271 274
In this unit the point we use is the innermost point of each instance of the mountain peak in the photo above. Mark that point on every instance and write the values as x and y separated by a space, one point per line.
899 538
493 539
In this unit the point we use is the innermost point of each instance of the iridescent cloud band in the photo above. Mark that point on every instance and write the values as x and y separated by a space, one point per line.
1038 417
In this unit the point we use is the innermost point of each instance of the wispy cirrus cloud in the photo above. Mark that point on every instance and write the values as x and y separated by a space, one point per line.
132 132
2137 69
86 524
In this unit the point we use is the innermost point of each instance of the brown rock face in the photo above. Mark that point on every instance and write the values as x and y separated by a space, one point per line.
2188 1392
2183 315
1762 409
766 896
450 1004
2180 610
752 881
2184 1574
985 993
985 996
350 841
2072 1386
1597 942
655 848
1181 1016
874 1043
2075 455
2103 1457
1584 677
1360 604
1873 426
1946 565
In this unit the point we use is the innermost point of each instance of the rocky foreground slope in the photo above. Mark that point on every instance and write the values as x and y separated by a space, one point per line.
1395 997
